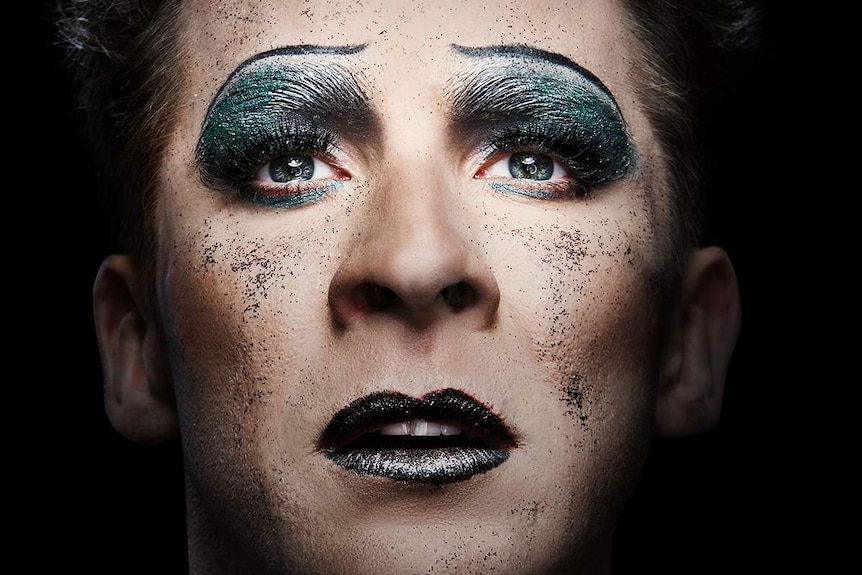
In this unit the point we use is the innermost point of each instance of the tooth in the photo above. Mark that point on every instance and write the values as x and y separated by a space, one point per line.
446 429
421 427
400 428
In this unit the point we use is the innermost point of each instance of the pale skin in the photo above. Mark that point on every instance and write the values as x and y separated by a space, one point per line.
257 337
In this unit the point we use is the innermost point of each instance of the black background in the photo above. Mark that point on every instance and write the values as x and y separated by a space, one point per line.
732 500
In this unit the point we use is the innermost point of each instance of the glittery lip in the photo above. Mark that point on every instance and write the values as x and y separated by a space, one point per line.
351 441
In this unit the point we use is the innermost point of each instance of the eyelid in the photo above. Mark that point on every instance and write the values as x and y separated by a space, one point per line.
323 169
497 169
326 177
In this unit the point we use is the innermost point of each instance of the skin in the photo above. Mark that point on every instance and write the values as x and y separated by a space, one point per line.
257 338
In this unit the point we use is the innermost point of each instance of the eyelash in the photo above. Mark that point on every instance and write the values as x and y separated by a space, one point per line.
564 147
240 168
243 170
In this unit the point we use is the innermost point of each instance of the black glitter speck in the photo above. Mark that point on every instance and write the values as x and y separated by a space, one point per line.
574 397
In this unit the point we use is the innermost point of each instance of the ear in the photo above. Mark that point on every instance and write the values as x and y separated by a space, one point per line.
701 340
139 397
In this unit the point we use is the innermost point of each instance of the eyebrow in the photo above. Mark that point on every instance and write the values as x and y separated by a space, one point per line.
533 54
295 50
329 94
518 82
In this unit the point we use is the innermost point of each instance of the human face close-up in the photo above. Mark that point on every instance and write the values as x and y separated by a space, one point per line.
410 282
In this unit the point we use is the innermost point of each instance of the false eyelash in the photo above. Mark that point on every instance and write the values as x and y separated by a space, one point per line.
581 153
233 166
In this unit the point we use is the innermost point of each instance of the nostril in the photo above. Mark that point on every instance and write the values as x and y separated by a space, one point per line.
376 297
459 296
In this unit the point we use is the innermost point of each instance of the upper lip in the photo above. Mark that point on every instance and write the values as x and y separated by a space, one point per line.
447 406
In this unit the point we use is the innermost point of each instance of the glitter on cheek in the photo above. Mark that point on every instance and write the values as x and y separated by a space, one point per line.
584 284
574 398
228 302
255 269
267 276
530 512
233 349
562 261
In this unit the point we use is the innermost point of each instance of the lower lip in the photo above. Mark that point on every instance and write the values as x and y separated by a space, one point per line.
431 466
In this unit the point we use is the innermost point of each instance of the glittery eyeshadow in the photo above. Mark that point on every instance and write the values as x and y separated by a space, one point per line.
277 103
526 98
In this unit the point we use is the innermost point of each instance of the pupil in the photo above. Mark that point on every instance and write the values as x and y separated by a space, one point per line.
290 168
530 166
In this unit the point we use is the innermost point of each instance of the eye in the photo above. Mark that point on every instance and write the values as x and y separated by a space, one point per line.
531 174
294 167
525 166
292 180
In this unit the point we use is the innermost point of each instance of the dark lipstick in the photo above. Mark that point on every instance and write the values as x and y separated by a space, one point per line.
443 437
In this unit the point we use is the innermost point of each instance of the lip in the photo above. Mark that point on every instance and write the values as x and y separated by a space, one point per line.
352 439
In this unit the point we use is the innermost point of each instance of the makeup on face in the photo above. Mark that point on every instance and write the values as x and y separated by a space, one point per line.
559 125
315 446
444 437
270 133
538 125
543 126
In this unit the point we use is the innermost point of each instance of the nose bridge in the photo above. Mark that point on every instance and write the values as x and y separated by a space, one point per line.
413 260
421 248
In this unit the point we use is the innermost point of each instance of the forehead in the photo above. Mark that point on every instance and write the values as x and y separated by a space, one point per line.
405 42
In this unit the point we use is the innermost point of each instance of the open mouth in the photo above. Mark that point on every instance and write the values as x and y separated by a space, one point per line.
444 437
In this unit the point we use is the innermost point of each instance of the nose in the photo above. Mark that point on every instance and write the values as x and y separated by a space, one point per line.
414 263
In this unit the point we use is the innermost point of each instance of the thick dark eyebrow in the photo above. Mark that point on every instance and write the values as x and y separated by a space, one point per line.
329 94
531 53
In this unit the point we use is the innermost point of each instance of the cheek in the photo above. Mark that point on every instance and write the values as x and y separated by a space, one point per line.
241 315
247 321
586 294
603 332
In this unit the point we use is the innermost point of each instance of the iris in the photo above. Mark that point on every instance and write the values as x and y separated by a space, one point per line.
531 166
291 167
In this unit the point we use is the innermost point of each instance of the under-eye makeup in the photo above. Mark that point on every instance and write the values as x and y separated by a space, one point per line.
272 133
543 126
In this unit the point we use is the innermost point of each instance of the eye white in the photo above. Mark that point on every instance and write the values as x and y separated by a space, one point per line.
321 170
501 169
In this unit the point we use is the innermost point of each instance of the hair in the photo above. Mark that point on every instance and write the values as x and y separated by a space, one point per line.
121 58
690 55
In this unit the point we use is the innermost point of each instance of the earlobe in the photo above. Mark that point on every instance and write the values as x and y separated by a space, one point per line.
139 397
701 342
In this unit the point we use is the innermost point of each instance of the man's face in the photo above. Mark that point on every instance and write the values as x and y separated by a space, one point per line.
445 212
